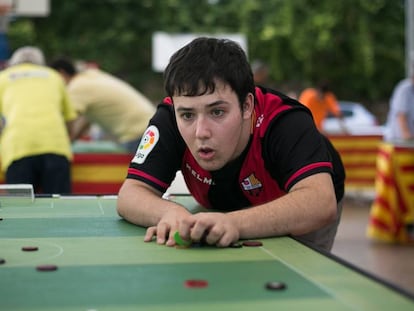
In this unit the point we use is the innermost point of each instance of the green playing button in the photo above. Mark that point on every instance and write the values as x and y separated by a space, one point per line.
180 241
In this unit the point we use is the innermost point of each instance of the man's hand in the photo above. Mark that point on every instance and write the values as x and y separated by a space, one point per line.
212 228
169 223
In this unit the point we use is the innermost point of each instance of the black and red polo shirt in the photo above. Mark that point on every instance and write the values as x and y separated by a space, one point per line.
284 148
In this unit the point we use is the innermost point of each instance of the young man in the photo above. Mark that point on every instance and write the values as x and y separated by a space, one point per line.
251 153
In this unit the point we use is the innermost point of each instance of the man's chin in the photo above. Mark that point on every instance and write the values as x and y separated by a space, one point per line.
209 165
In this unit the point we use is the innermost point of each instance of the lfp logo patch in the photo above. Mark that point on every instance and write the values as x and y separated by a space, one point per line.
148 142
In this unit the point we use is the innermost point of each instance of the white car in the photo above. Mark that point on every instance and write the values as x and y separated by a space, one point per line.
358 121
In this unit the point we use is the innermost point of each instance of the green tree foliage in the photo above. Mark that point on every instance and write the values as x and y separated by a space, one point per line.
358 45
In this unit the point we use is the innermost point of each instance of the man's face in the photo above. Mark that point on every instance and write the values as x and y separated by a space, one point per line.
212 125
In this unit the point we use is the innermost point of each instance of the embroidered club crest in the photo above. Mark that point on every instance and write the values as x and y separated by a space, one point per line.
252 185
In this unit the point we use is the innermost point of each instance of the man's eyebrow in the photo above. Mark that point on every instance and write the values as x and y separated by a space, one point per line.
184 109
218 102
211 105
208 106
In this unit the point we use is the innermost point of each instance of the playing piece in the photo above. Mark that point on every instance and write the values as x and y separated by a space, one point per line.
275 285
202 242
252 243
180 241
2 261
197 244
236 245
196 283
29 248
46 268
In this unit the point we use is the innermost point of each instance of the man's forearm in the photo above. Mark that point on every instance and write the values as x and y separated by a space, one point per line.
298 212
142 206
405 130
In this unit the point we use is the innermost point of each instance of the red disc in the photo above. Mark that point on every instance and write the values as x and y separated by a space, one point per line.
29 248
46 268
252 243
196 283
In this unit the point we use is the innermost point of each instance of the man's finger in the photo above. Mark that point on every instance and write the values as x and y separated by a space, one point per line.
151 232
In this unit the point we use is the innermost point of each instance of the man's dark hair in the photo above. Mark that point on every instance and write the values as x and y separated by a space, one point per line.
195 69
65 65
324 86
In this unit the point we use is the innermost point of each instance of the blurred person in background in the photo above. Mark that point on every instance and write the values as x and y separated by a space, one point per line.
321 101
260 72
37 116
103 99
400 119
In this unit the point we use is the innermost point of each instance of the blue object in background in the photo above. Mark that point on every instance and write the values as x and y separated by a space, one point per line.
4 49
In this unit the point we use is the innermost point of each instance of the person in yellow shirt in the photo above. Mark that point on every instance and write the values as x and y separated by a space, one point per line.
321 101
35 145
101 98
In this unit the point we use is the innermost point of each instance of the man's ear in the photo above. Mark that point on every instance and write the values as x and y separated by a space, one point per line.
248 106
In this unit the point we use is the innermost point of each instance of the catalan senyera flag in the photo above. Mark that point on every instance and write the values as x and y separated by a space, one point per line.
99 173
358 154
392 211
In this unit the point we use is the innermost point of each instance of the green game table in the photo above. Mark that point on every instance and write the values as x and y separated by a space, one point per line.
103 264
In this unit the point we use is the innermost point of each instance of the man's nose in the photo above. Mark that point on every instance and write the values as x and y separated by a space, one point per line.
203 127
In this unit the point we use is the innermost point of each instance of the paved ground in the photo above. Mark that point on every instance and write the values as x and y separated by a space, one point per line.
393 263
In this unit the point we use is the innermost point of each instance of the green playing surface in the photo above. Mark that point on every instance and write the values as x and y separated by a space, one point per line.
103 264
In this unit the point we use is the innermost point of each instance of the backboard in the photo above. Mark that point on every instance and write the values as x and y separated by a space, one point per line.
165 44
31 8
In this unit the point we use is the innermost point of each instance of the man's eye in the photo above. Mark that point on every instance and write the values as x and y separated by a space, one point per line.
187 116
217 112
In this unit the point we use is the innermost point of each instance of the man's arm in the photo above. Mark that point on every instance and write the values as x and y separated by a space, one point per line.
2 124
403 124
310 205
342 123
70 128
335 109
144 206
79 127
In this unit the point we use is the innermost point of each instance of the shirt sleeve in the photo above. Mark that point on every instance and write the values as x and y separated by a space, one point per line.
294 149
158 167
403 99
81 92
333 105
69 111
